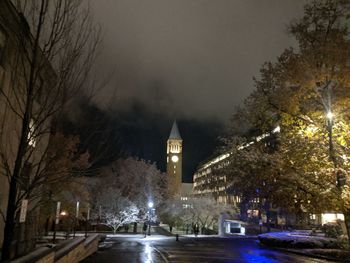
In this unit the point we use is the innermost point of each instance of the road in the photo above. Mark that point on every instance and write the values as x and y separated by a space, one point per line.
163 249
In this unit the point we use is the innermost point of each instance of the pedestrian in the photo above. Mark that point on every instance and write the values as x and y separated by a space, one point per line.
196 229
171 229
144 228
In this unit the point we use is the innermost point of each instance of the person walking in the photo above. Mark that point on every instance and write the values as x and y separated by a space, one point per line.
144 229
196 229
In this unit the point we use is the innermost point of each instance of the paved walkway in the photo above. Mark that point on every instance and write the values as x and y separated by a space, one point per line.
164 249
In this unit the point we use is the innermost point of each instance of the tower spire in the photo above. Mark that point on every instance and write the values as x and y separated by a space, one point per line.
175 134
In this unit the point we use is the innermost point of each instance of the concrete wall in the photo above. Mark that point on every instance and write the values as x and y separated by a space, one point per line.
71 251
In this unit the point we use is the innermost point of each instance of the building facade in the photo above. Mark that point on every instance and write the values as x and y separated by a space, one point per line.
15 63
210 180
174 161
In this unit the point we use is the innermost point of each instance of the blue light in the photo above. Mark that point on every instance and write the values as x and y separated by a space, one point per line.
255 256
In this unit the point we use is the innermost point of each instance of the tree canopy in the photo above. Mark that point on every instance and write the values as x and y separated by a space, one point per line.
306 94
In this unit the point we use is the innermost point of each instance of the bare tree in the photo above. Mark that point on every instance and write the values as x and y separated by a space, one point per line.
204 211
53 46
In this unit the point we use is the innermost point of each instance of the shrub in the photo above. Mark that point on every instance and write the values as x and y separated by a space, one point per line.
332 230
343 242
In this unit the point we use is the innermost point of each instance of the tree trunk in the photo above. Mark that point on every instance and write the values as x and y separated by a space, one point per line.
268 215
243 210
347 222
268 220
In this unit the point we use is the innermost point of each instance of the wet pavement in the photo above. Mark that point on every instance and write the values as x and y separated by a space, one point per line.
154 249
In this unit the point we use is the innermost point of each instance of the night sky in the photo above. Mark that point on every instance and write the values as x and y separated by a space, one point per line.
190 60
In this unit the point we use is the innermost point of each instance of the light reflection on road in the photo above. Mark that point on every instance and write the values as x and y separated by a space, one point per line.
148 253
255 256
159 249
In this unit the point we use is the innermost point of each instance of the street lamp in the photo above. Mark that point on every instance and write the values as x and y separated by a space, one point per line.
330 116
330 122
63 213
150 206
58 216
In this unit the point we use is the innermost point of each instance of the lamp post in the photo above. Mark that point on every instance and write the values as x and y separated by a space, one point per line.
60 215
87 220
57 219
150 206
330 122
340 176
76 217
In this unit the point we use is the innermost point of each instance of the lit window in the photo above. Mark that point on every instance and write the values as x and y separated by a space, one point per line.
31 136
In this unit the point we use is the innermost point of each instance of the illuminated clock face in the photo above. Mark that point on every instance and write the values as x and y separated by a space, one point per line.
174 158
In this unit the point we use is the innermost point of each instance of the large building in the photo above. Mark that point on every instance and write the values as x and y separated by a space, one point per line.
16 45
206 182
210 181
174 161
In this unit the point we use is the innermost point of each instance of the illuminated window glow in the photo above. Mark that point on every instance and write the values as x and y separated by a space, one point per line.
331 217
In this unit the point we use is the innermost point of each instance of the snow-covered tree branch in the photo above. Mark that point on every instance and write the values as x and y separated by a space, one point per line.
120 217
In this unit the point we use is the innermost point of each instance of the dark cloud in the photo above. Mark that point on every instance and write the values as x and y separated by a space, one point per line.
189 57
144 134
139 132
190 60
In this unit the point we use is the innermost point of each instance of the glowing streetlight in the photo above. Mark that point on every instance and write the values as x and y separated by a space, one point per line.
329 115
150 204
58 215
63 213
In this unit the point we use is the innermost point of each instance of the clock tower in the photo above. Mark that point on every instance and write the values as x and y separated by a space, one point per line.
174 160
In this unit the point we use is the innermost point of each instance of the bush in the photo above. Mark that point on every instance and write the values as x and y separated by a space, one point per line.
295 240
343 242
332 230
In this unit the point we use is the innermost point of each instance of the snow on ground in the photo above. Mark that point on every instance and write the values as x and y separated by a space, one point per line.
297 240
124 235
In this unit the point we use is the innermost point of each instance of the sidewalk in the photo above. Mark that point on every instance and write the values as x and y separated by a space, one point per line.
175 231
